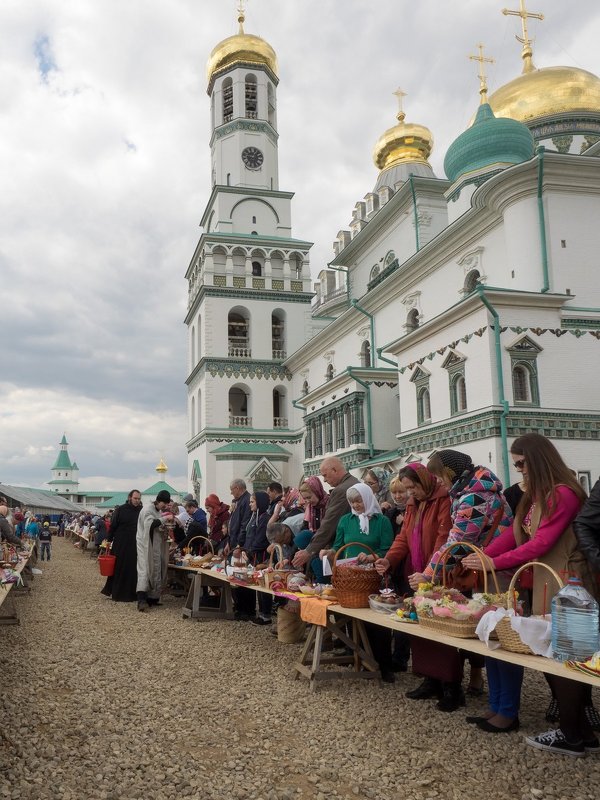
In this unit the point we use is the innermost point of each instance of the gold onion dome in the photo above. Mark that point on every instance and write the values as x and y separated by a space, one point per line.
161 467
548 92
243 48
405 142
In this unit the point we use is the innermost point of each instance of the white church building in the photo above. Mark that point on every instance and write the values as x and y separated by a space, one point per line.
459 311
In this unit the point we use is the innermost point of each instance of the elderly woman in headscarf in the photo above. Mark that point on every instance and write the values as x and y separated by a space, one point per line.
378 480
218 516
366 525
424 530
315 499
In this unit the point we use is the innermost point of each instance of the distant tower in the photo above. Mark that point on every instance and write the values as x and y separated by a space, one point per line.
65 475
249 285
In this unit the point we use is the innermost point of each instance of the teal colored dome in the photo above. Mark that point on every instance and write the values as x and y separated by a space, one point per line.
490 140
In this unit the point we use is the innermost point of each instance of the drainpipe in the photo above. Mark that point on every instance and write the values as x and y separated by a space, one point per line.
347 271
385 358
414 199
542 219
369 421
372 326
503 401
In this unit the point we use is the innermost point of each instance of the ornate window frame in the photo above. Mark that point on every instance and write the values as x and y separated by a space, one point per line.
420 378
454 364
524 353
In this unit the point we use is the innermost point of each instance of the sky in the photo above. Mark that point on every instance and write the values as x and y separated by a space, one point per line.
105 165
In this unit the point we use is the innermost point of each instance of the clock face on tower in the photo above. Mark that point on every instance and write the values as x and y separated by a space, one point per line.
252 157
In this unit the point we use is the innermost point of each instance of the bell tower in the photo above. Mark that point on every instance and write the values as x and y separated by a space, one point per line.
249 286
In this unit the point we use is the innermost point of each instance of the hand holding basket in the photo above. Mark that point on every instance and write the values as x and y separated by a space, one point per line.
354 584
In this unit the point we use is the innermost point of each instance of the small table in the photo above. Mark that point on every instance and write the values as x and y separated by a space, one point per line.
202 578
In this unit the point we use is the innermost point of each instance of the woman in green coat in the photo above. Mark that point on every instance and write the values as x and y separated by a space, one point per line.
367 525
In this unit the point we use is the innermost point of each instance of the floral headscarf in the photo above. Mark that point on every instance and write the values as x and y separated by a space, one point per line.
370 503
383 479
311 512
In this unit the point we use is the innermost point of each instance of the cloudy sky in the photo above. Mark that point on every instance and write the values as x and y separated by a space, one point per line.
104 162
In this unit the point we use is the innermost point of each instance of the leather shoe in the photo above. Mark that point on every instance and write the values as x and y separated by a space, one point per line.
475 720
425 690
486 725
452 698
387 676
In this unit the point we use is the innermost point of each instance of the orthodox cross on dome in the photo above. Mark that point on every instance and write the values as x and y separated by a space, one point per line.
482 76
527 52
400 95
241 15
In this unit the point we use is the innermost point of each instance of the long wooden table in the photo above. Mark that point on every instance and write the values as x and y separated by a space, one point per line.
313 656
9 615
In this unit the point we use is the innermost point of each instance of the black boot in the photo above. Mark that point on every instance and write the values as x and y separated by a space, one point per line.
142 601
452 697
429 688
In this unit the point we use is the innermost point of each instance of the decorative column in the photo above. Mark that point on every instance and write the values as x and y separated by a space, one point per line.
341 440
354 421
361 419
318 437
328 432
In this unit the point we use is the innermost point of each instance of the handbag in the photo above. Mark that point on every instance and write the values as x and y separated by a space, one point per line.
463 579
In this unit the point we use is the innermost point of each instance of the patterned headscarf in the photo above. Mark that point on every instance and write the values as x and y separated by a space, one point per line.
369 501
460 465
430 483
310 512
383 479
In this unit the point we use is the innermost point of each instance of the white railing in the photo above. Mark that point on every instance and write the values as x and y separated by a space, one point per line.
280 422
240 422
239 352
279 353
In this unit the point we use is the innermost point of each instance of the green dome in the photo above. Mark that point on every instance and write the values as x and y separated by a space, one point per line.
490 140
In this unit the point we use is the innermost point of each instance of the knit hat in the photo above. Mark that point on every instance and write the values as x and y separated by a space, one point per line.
456 461
163 496
187 498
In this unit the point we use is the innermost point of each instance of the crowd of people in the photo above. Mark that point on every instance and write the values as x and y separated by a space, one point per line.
404 524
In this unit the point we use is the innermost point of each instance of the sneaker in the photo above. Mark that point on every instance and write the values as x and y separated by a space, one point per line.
593 718
260 621
592 746
552 714
554 742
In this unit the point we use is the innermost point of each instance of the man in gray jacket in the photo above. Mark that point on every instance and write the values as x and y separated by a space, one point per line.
334 473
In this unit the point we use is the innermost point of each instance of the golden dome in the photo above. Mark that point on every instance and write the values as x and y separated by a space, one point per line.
548 92
243 48
405 142
161 467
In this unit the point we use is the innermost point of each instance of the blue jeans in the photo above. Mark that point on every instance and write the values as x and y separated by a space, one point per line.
45 549
504 684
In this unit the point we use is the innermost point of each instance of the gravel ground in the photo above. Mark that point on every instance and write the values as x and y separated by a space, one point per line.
100 702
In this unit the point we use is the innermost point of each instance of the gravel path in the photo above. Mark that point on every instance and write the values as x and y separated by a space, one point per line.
100 702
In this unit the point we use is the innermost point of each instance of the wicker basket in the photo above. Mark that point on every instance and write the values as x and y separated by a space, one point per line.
509 639
204 538
461 628
352 584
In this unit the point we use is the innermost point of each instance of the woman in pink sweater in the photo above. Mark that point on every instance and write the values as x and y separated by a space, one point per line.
542 531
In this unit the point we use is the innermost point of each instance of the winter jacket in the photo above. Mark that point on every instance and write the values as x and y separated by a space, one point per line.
256 534
475 508
587 528
436 524
240 516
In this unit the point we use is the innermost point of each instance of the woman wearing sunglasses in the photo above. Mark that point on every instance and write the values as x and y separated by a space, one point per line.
542 531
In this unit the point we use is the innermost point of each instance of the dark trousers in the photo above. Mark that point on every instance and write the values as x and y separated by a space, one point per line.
380 640
46 548
572 697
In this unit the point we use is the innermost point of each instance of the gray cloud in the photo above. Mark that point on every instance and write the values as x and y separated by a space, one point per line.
105 164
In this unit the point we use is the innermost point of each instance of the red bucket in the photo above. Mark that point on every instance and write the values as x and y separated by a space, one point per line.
107 565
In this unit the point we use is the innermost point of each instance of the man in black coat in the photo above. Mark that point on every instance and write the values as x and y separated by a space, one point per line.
240 516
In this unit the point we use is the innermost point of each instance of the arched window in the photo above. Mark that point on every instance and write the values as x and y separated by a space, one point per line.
238 333
365 354
256 269
374 272
389 258
199 340
423 406
193 348
199 411
458 400
227 100
472 279
329 372
271 105
412 320
521 384
251 97
278 334
193 417
279 411
239 407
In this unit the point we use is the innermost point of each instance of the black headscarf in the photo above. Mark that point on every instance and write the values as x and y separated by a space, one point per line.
460 465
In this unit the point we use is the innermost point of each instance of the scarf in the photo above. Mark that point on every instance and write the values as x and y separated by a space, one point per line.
313 514
461 467
429 483
383 479
370 503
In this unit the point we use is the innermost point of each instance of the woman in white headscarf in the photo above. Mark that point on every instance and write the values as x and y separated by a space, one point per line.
366 525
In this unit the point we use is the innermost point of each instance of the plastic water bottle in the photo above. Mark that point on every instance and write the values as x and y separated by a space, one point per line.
575 632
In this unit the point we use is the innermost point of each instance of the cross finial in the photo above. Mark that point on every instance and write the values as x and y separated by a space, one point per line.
482 76
527 53
241 15
400 95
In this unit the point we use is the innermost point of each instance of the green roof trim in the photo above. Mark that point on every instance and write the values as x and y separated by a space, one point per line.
160 486
252 448
116 500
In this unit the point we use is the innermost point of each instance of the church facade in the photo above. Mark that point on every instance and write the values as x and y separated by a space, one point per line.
458 312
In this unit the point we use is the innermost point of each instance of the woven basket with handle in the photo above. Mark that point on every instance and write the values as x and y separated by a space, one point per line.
461 628
509 639
277 575
198 560
354 584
